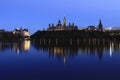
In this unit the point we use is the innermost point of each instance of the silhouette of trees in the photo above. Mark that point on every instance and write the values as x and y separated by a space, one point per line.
9 36
71 34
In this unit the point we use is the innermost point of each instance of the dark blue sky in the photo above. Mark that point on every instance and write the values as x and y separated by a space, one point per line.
37 14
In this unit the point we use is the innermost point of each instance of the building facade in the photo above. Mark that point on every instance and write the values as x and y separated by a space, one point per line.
64 26
23 32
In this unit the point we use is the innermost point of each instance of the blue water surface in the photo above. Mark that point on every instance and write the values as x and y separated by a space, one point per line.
26 61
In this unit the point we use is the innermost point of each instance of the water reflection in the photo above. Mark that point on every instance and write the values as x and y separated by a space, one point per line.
26 45
64 51
23 46
111 48
18 48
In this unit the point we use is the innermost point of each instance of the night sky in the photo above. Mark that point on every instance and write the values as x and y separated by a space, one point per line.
37 14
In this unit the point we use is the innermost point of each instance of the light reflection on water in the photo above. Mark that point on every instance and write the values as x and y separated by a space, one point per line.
65 50
60 61
23 46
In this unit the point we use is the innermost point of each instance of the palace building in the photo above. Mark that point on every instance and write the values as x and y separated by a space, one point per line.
24 32
61 26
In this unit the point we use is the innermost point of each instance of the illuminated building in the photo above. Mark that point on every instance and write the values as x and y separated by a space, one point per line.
64 26
23 32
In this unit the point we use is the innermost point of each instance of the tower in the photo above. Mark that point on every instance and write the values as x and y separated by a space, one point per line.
49 25
64 21
59 23
100 26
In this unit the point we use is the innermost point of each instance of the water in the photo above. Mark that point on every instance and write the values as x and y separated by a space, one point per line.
30 61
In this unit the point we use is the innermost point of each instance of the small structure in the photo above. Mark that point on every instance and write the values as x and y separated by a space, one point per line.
98 28
91 28
2 30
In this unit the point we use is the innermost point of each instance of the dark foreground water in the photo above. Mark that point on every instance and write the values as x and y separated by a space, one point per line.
30 61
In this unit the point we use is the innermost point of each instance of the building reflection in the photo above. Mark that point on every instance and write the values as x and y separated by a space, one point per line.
24 46
61 52
64 51
18 47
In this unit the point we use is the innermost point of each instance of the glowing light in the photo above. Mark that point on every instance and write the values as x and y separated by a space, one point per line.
64 60
110 28
111 49
26 45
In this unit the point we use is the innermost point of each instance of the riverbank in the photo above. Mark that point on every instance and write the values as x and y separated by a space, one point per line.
75 36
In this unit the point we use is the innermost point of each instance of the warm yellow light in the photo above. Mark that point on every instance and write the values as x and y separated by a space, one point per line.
26 45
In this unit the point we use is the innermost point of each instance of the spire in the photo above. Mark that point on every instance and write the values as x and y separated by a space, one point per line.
59 23
100 26
64 21
100 23
73 24
52 25
49 25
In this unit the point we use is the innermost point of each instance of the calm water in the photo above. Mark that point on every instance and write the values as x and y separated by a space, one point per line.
32 61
